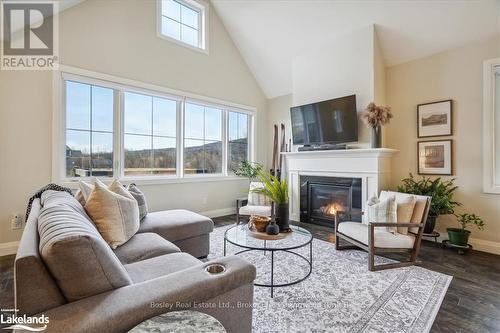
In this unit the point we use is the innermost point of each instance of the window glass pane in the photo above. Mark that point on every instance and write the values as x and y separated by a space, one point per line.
189 17
189 35
77 153
233 126
242 126
164 117
138 113
77 105
171 9
102 109
170 28
213 157
164 154
102 154
193 121
194 157
236 154
138 158
213 124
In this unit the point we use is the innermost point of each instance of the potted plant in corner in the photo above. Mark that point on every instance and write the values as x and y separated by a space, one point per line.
375 117
277 191
460 236
441 191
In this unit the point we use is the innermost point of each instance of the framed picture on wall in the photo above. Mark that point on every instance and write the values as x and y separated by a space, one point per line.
435 157
434 119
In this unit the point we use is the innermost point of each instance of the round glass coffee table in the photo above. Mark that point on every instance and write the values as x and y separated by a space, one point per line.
240 236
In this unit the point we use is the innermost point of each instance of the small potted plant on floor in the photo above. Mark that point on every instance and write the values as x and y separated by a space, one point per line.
277 191
441 191
460 236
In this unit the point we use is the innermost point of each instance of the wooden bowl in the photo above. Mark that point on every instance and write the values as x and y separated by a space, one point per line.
260 222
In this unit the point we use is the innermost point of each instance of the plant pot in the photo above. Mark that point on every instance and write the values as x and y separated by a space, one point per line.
282 217
272 228
458 236
377 137
430 224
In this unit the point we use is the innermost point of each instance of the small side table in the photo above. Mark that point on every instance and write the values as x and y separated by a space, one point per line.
461 249
434 235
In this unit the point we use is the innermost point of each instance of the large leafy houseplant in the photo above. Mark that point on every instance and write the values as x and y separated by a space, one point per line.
441 191
276 190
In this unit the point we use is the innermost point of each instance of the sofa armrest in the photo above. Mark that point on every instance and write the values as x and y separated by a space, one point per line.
121 309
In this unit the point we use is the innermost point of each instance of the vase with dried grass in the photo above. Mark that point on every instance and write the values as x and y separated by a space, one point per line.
375 117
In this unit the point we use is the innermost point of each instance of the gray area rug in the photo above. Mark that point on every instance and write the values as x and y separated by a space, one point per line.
340 295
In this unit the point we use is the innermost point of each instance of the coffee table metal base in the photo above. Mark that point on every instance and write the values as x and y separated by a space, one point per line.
272 285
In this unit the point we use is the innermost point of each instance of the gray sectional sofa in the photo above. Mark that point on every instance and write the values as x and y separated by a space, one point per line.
65 270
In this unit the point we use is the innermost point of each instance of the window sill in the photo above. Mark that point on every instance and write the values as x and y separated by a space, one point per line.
159 181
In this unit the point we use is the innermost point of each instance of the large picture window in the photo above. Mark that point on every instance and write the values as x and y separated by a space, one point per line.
121 131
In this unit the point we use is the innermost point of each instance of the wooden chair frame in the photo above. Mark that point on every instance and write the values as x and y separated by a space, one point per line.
370 247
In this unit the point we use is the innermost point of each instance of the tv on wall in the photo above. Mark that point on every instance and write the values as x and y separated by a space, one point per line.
328 122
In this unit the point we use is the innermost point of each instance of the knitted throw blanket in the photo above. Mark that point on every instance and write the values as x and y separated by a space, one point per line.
53 187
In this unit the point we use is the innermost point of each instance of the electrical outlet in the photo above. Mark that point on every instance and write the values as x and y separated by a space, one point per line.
16 222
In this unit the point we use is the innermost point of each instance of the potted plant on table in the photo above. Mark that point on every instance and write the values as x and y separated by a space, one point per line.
460 236
441 191
375 117
276 190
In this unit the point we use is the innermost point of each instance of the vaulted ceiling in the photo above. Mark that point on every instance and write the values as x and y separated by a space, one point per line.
271 33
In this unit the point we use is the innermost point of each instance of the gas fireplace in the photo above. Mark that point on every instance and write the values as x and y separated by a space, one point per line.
322 197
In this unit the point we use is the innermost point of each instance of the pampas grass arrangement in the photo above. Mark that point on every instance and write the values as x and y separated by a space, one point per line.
375 116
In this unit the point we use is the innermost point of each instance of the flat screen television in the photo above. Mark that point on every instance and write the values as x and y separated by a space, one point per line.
328 122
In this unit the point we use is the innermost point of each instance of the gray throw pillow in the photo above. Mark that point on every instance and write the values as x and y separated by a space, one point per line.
141 200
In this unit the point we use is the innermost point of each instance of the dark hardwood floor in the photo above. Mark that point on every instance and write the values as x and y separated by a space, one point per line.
472 303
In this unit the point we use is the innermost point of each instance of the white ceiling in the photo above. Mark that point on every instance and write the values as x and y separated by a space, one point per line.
270 33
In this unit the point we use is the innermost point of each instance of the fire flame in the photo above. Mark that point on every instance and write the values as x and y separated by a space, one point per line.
331 209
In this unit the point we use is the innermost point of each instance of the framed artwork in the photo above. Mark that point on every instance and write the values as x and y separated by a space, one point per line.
434 119
435 157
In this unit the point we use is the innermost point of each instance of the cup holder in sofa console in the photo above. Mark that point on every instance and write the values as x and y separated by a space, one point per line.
215 268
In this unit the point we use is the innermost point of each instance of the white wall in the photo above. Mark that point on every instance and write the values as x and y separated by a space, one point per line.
119 38
458 75
278 110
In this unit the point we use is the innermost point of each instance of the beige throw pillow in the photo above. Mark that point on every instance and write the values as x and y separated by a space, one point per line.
114 211
405 206
382 211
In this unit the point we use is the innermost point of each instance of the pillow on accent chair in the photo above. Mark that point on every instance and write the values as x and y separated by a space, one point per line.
382 211
405 206
141 200
114 211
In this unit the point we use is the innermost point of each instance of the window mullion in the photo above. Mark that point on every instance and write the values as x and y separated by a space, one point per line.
117 134
225 141
180 138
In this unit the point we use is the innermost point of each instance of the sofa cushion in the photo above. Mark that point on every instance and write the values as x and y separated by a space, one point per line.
140 198
159 266
144 246
177 224
78 258
114 211
382 237
255 210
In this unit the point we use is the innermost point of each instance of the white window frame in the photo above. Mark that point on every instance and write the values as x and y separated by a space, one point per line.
119 85
490 183
203 8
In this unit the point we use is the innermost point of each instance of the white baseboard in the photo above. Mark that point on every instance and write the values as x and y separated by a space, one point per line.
219 212
8 248
477 244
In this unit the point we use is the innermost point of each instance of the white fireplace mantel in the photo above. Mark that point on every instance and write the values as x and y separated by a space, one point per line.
372 166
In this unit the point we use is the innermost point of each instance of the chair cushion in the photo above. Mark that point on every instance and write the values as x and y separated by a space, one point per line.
176 224
418 210
114 211
257 199
144 246
382 237
159 266
405 204
255 210
74 252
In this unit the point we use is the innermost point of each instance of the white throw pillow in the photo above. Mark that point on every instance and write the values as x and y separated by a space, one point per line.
257 199
115 213
382 211
405 206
